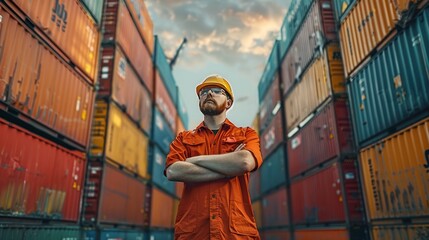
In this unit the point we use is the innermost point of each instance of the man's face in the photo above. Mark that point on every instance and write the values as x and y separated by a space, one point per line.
213 101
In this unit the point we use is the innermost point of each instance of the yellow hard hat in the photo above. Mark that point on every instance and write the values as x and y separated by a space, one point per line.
216 80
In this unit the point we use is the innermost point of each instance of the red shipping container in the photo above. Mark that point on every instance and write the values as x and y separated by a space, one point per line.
144 23
317 28
272 136
275 209
115 198
161 209
164 102
276 234
118 26
39 179
322 234
38 83
270 103
320 198
68 25
255 184
119 80
330 131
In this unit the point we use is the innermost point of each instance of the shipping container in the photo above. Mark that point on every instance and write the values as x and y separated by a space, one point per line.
37 83
161 209
144 23
269 73
273 171
161 235
330 130
113 197
39 179
325 196
255 184
119 80
272 136
95 8
276 234
257 212
182 110
162 135
275 211
164 69
368 24
69 27
118 26
270 105
401 232
166 105
114 234
317 29
393 87
158 164
342 8
17 232
323 234
395 175
323 76
115 136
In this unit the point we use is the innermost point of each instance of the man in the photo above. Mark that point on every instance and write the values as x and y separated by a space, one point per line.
214 161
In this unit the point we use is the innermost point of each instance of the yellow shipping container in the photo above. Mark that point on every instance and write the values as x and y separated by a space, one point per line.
395 177
120 138
401 232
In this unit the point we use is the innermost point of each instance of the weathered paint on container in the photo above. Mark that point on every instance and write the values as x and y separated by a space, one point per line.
95 8
322 234
395 176
16 231
394 86
401 232
330 130
272 171
68 25
323 76
163 135
164 102
276 234
113 197
255 184
163 66
161 209
275 209
272 136
268 75
367 25
36 82
119 139
141 16
317 29
319 198
118 26
270 105
158 163
257 212
119 80
39 179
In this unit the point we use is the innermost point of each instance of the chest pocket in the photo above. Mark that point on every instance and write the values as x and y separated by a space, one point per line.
231 143
194 146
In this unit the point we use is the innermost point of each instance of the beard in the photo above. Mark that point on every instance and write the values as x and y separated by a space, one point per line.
212 108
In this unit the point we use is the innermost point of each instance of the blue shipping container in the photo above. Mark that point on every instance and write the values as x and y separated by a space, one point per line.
158 163
39 232
95 8
273 171
182 111
116 234
163 135
394 86
342 8
270 70
164 69
161 235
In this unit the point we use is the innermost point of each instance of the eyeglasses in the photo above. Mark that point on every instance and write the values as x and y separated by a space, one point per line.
215 90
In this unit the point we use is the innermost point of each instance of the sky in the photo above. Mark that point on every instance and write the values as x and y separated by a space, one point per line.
232 38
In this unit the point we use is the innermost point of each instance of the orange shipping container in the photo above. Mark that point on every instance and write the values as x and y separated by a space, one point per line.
395 176
323 76
401 232
368 23
161 209
141 15
118 137
68 25
322 234
38 83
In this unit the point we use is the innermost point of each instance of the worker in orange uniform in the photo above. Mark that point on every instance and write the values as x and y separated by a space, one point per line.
214 161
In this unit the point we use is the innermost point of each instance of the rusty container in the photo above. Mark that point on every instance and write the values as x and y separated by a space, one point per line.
144 23
395 174
161 210
68 26
39 179
40 85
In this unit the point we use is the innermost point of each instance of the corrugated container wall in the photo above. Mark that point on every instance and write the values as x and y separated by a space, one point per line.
270 105
69 26
161 209
401 232
39 179
272 136
273 171
275 209
158 163
17 231
95 8
164 69
330 130
367 25
395 174
389 90
119 26
115 136
270 70
317 29
162 135
119 80
166 105
142 19
34 80
322 234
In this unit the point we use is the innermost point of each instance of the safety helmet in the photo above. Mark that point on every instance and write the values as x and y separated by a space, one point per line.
216 80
